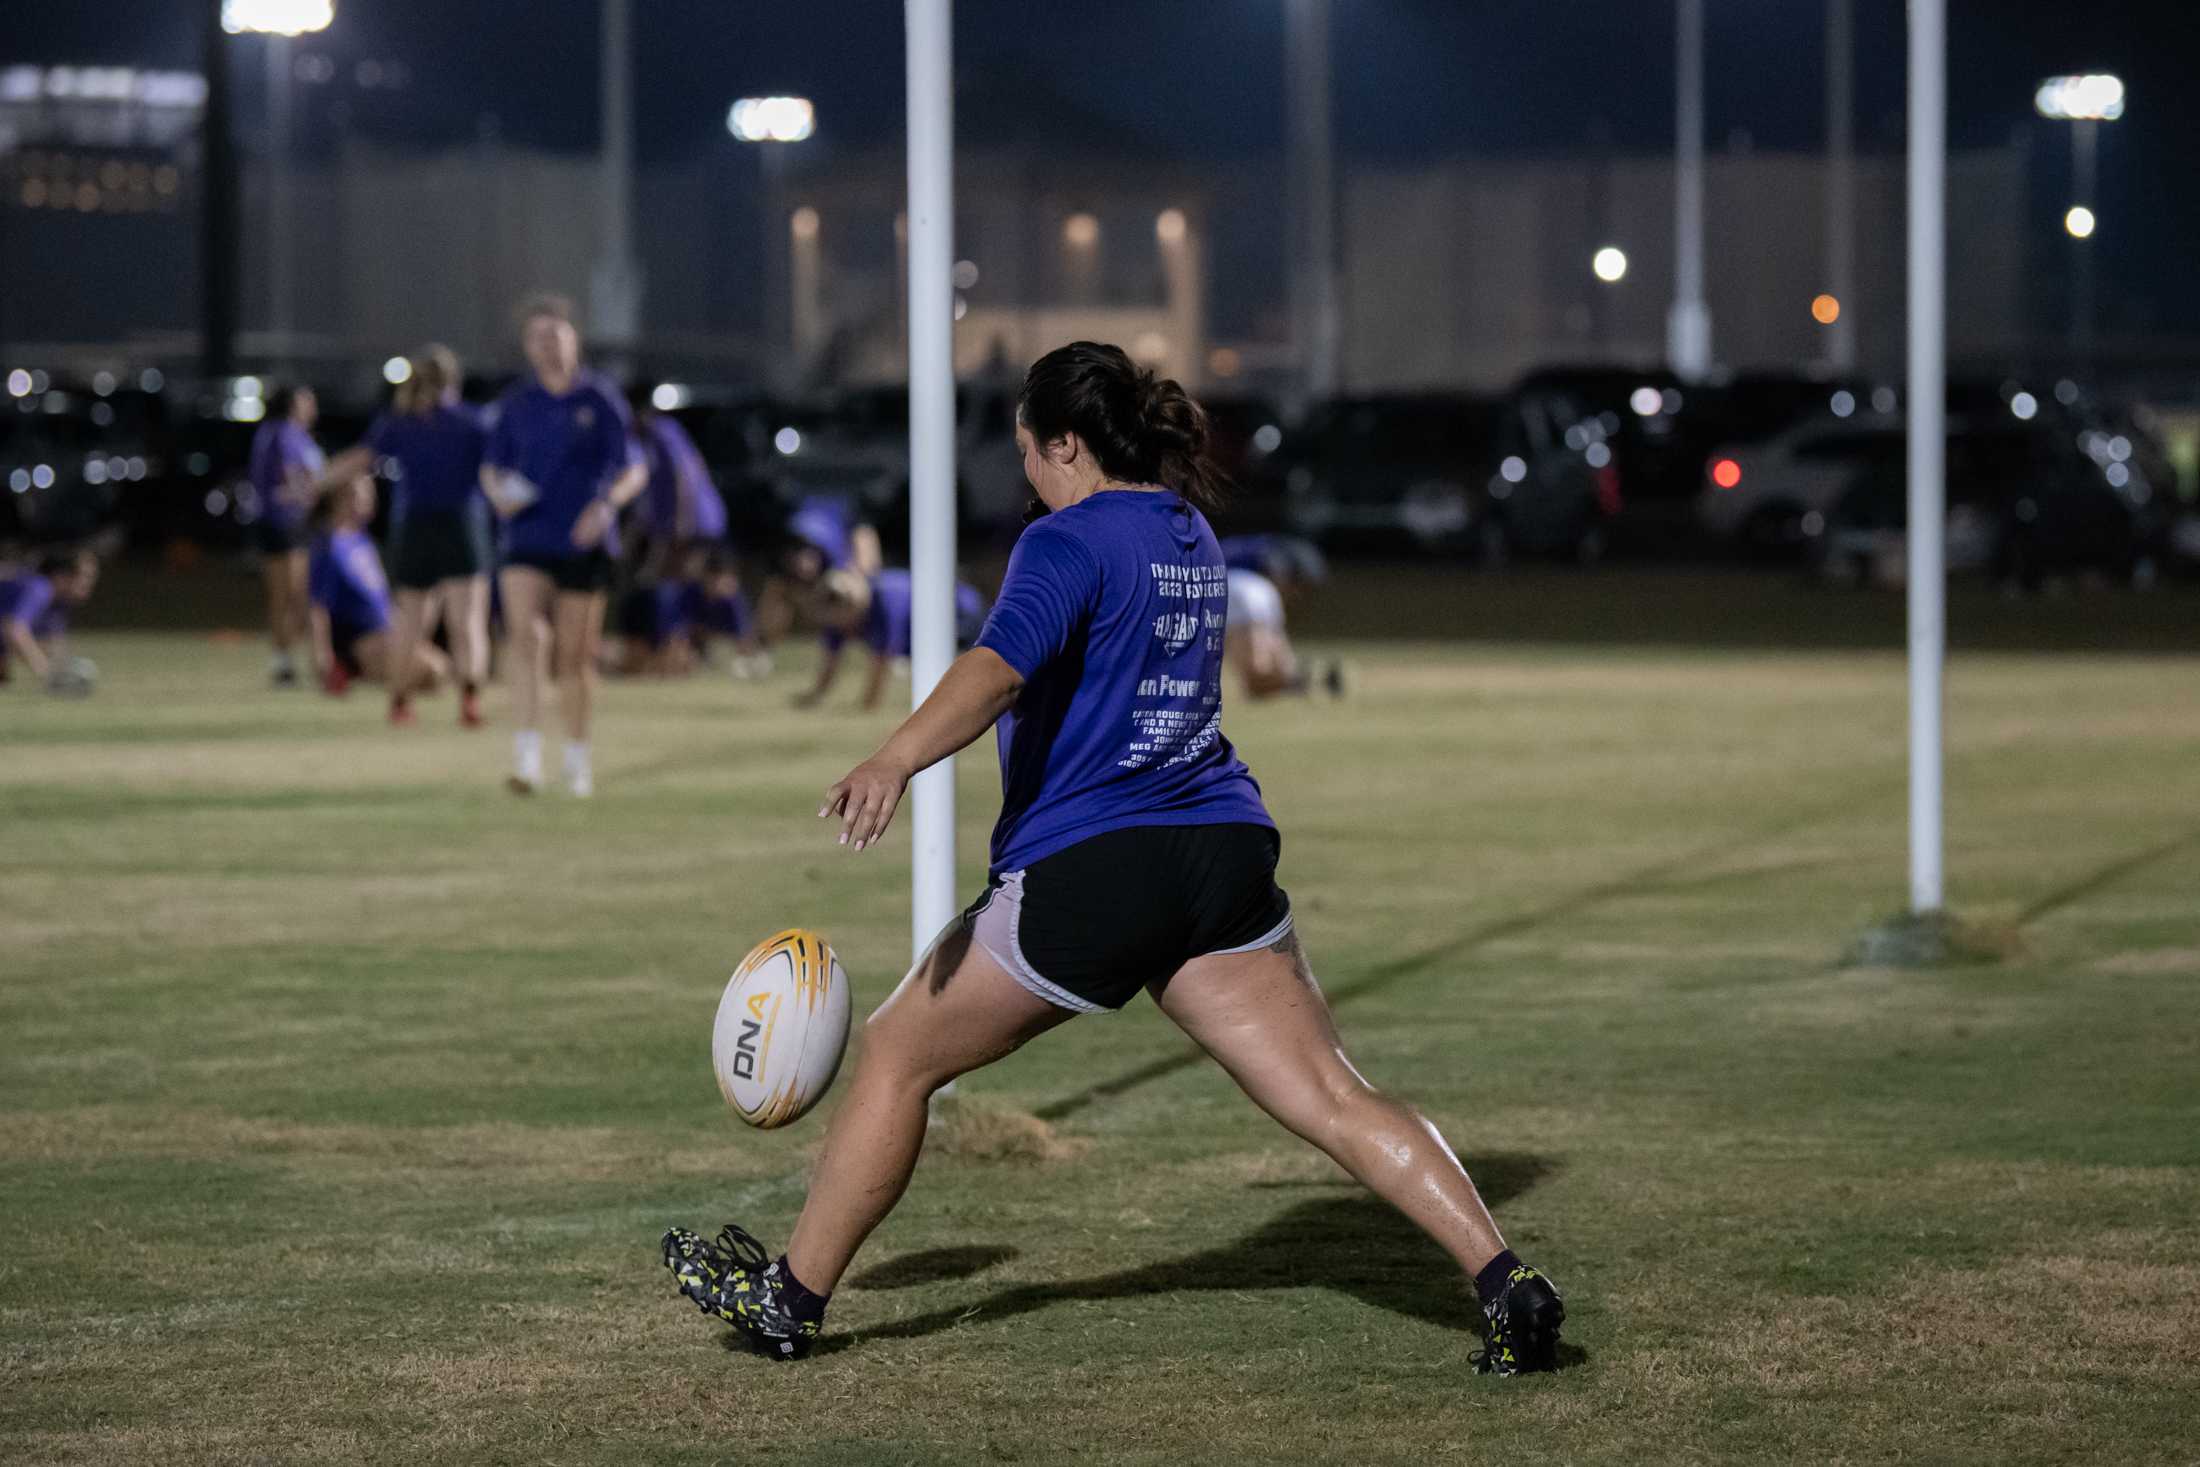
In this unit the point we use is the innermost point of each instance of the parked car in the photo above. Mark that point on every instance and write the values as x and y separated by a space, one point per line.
1388 472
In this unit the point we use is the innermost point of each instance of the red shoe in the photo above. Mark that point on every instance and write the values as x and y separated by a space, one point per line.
336 682
469 710
401 713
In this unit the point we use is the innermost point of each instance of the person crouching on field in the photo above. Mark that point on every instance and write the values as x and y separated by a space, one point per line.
877 611
1133 852
34 621
349 601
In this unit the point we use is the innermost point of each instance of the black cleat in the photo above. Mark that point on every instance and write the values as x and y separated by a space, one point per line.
1520 1330
734 1280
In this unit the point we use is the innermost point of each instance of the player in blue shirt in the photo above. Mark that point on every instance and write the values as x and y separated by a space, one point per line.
34 620
1133 852
560 464
350 601
429 445
285 470
876 611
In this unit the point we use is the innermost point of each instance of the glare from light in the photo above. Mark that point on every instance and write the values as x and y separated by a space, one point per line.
1843 404
2119 475
55 402
103 414
19 383
804 223
277 17
1151 346
1883 400
1514 469
1825 309
1647 402
2094 97
1726 473
95 471
2066 392
1814 524
40 381
962 308
42 477
966 274
788 441
245 387
1670 399
2024 407
103 383
772 119
397 371
1577 437
2080 222
151 380
20 481
134 470
1081 231
1268 438
1168 226
2119 448
1224 361
1599 455
1610 264
216 502
670 397
244 410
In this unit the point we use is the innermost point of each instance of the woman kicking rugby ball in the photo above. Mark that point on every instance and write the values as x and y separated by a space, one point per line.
1133 852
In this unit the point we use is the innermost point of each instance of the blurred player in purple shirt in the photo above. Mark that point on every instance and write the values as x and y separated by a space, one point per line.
560 465
876 611
34 620
1133 853
429 444
350 601
285 470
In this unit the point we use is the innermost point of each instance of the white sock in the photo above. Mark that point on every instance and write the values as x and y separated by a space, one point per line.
280 662
527 753
576 758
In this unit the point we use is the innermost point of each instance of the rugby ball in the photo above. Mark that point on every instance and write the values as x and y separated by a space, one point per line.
782 1029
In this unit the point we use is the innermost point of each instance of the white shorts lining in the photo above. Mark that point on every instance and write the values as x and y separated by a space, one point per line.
1269 938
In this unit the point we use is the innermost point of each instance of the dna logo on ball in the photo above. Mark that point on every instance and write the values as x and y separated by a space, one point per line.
782 1029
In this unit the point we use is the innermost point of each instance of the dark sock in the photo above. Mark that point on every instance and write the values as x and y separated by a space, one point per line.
801 1303
1490 1282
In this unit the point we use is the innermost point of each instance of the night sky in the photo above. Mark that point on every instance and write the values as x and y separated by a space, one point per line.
1202 79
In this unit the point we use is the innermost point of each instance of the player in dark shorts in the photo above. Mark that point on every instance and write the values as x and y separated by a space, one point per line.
430 444
876 611
285 470
350 601
560 464
1133 852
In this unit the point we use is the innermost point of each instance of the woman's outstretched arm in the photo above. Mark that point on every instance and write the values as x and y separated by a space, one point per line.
979 687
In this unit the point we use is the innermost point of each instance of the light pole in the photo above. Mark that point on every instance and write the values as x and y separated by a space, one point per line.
1316 316
280 22
1688 328
2085 102
1841 183
615 288
773 124
1927 448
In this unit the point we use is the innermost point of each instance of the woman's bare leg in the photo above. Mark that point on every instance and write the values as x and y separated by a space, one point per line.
466 614
406 633
1263 1018
528 594
957 1010
579 637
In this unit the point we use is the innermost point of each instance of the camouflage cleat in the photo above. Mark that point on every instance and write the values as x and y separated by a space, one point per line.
734 1280
1520 1329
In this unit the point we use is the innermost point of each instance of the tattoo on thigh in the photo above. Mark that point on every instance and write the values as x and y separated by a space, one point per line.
948 951
1288 944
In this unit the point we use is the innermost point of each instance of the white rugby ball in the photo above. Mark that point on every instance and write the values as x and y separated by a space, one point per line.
782 1029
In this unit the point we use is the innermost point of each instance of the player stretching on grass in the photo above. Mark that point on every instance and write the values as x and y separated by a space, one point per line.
560 465
1133 851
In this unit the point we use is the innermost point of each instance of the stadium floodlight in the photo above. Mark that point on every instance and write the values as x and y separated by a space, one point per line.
2094 97
2080 222
277 17
772 119
1610 264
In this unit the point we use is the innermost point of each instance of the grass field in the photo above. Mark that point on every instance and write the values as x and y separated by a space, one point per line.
343 1098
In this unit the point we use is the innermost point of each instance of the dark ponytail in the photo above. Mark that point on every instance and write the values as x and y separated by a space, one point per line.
1141 428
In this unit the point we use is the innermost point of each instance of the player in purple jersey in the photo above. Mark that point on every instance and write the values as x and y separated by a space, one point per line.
430 444
1133 852
350 601
876 611
285 470
34 620
560 465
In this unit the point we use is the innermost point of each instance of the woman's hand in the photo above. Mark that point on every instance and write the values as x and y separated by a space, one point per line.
866 800
588 530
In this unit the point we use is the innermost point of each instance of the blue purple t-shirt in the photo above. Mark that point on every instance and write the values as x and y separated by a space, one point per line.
1113 613
681 500
279 446
570 448
888 625
29 599
434 459
826 526
345 579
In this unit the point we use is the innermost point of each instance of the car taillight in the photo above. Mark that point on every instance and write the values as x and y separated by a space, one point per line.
1726 473
1608 498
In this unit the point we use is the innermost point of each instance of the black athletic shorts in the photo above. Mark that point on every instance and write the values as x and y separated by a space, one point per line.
272 538
429 547
344 639
1089 926
583 572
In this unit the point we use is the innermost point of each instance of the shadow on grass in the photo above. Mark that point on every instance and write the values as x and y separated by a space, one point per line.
1353 1244
933 1266
2071 893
